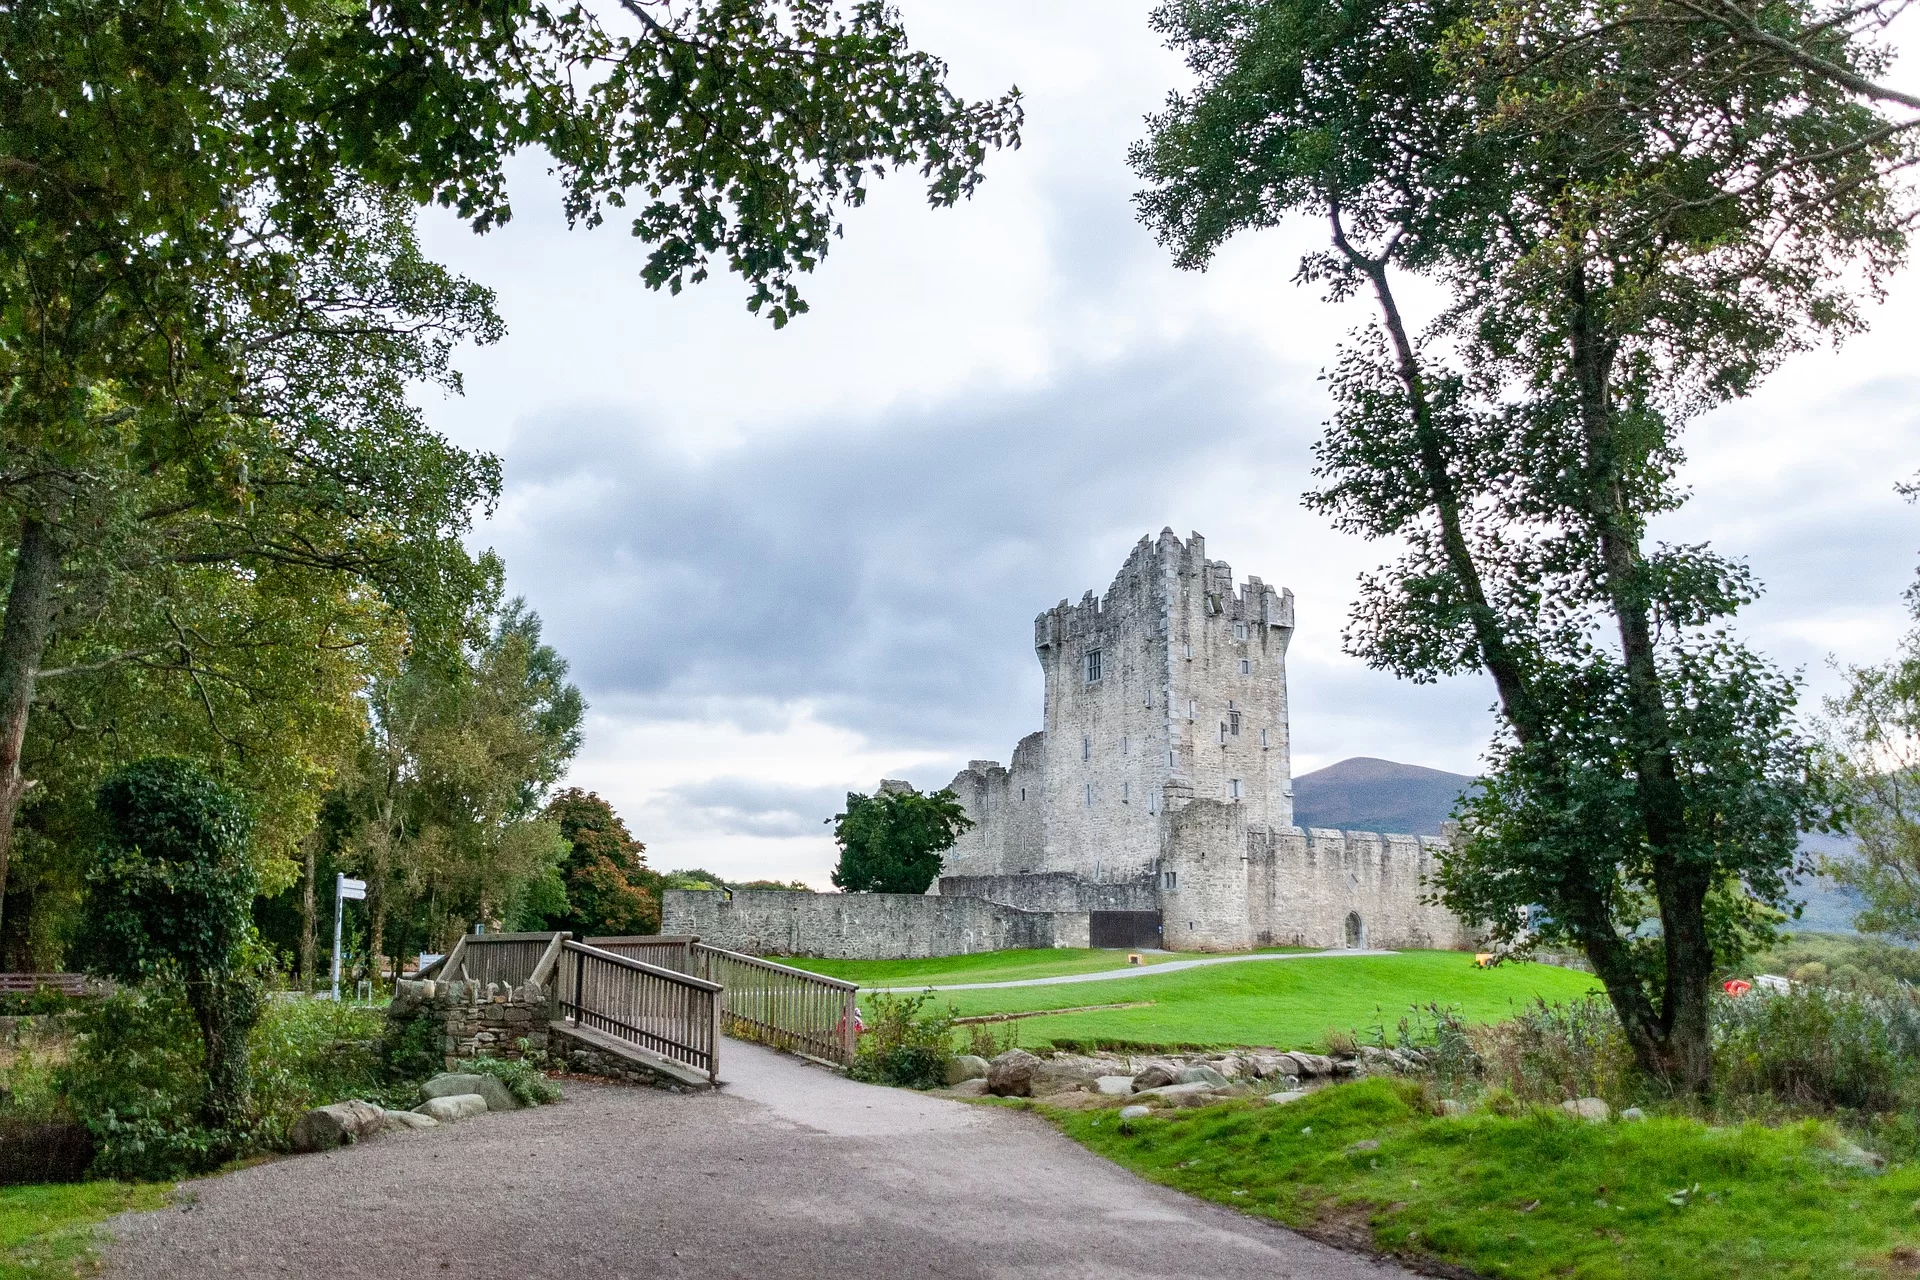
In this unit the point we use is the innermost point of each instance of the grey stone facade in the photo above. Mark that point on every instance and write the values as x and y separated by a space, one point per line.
1162 778
861 926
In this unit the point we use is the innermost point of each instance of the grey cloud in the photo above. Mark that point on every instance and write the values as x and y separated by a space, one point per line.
888 571
753 807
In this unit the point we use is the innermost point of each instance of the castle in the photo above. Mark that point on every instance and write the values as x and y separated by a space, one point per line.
1158 797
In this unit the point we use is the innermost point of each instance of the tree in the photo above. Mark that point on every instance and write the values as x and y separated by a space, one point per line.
170 900
609 890
443 804
1624 232
1875 730
211 304
891 841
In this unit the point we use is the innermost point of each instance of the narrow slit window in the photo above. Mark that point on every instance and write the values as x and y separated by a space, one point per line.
1233 788
1089 795
1263 739
1153 802
1126 793
1189 652
1193 708
1171 762
1126 745
1086 748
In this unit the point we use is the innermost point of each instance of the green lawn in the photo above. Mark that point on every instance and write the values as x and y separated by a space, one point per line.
47 1231
1288 1004
1535 1194
987 966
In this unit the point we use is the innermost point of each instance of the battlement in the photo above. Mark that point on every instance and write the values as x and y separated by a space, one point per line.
1147 587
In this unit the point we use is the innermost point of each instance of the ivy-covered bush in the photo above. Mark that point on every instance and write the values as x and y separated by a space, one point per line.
905 1043
309 1053
136 1078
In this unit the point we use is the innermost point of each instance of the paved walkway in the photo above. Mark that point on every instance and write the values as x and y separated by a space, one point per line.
791 1172
1144 971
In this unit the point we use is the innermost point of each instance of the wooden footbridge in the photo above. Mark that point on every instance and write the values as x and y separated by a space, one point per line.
667 997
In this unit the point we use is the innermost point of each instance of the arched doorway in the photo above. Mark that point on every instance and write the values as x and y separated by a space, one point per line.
1356 930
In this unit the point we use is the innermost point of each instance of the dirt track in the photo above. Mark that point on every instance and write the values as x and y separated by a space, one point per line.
790 1171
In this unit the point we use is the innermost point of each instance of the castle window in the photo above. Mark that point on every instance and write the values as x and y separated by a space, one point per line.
1126 745
1189 651
1263 739
1169 879
1171 762
1086 748
1223 733
1246 666
1239 631
1126 793
1233 788
1153 802
1023 795
1093 666
1233 723
1193 707
1149 695
1089 795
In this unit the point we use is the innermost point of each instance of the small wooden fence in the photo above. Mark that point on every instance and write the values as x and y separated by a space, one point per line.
675 1015
67 984
662 950
783 1007
508 958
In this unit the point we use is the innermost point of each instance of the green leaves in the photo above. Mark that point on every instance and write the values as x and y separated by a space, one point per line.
891 841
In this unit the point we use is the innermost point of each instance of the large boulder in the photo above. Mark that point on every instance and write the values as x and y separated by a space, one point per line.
324 1128
449 1107
1010 1075
965 1066
1201 1074
492 1088
1274 1066
1113 1086
1153 1075
394 1121
1592 1110
1312 1064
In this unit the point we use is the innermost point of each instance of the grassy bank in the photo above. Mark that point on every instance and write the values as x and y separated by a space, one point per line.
1533 1194
48 1231
1290 1004
987 966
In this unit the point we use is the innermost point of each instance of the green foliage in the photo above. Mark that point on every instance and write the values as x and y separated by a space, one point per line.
410 1050
171 901
137 1079
788 886
522 1078
1821 1049
891 841
40 1000
905 1043
311 1053
1874 730
608 890
1532 1194
1629 219
1848 962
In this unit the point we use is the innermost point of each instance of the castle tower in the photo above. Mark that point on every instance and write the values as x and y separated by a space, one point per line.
1170 687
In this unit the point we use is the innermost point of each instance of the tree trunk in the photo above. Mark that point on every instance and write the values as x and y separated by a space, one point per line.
23 642
1686 1046
306 910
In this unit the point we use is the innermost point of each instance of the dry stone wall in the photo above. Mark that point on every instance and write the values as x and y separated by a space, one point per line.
475 1020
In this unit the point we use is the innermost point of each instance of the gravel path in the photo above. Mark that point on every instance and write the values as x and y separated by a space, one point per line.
789 1172
1142 971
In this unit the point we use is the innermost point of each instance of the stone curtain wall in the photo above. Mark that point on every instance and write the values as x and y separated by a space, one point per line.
1055 891
1234 887
862 926
475 1020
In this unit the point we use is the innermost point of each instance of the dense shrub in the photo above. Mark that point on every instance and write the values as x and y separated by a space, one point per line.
522 1078
40 1000
1818 1048
308 1053
905 1043
137 1080
410 1049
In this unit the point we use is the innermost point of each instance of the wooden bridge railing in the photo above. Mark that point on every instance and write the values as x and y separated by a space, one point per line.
665 950
509 958
781 1006
675 1015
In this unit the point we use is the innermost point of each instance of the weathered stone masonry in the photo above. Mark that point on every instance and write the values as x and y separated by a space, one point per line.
1162 778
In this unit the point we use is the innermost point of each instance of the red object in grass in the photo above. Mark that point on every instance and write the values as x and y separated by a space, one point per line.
1737 986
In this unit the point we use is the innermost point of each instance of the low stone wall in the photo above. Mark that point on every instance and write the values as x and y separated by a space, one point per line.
1055 891
478 1020
862 926
588 1059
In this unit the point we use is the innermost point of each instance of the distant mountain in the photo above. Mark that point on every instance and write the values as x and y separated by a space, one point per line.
1364 794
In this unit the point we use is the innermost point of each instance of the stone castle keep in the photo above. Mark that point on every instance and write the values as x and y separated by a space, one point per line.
1159 795
1154 809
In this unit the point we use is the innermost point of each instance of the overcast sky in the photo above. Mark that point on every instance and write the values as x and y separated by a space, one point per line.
784 565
